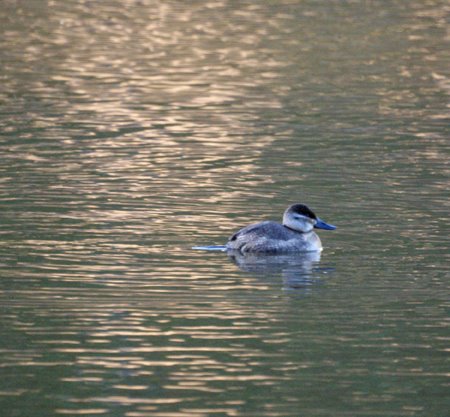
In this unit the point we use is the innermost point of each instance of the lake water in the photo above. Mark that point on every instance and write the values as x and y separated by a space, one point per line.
132 131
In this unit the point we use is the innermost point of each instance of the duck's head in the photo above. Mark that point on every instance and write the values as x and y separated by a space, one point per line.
300 218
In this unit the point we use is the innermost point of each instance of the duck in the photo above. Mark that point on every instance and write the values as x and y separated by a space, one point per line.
295 234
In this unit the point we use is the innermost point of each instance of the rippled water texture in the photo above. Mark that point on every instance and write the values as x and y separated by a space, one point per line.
132 131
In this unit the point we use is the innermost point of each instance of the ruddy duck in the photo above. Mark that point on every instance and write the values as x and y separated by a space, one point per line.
294 235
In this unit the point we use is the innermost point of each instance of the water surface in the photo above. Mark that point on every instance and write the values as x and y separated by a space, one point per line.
132 131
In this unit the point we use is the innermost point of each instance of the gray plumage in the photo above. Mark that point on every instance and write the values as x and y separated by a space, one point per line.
270 237
294 235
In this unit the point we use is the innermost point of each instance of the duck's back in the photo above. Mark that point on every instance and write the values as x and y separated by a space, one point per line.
272 237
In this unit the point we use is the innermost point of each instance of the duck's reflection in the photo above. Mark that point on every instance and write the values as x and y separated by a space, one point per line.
297 270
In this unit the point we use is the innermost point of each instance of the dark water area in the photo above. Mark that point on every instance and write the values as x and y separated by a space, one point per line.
132 131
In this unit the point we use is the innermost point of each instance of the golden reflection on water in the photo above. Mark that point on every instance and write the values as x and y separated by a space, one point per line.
135 130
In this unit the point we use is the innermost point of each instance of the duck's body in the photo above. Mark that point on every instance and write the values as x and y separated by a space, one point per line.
273 237
294 235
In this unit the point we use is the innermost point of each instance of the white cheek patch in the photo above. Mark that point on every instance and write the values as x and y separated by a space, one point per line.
308 226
